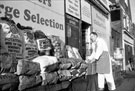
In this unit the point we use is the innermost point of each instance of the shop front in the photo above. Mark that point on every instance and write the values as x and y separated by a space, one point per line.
129 49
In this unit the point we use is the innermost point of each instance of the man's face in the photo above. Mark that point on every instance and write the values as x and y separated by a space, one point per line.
93 37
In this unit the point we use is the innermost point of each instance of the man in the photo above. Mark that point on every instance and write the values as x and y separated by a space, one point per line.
103 63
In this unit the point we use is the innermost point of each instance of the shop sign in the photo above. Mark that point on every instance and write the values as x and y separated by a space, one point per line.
73 8
99 21
28 13
53 5
128 39
72 21
100 24
105 3
86 11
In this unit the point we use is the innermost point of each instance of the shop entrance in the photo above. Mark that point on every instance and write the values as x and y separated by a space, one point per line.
128 53
85 40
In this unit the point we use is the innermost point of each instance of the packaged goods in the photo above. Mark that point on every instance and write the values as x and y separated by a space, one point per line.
44 61
53 67
70 52
65 66
25 67
76 52
11 44
76 63
49 78
64 75
5 62
28 81
8 82
11 38
30 47
8 78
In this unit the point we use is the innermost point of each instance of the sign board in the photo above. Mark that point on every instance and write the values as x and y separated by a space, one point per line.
37 14
101 24
73 8
86 11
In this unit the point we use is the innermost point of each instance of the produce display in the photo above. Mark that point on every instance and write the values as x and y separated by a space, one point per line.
29 58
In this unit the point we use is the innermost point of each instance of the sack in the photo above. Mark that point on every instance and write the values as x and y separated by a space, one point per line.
11 38
30 50
44 61
49 78
53 67
27 82
25 67
64 75
103 63
11 41
5 62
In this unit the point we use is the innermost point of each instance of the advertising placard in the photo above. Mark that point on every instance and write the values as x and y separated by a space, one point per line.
36 15
73 8
101 24
86 11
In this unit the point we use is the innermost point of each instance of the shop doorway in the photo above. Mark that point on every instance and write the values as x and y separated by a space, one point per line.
86 29
128 53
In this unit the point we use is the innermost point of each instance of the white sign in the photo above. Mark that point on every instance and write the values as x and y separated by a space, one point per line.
28 13
52 5
73 8
101 24
86 11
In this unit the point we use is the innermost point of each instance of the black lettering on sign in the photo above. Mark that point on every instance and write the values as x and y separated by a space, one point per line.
46 2
26 14
9 12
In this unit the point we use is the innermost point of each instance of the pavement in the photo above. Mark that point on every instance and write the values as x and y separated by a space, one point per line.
127 84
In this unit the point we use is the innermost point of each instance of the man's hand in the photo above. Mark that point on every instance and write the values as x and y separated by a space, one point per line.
93 60
87 61
90 61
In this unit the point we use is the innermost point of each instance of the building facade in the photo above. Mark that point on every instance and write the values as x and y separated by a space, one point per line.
121 27
70 20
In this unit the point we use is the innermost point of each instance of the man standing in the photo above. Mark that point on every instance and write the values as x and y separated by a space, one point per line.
103 63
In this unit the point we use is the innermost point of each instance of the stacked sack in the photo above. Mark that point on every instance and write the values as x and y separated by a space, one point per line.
11 43
49 66
30 50
11 50
29 59
29 74
71 68
28 71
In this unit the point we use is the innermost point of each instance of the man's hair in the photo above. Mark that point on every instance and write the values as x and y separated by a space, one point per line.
94 33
